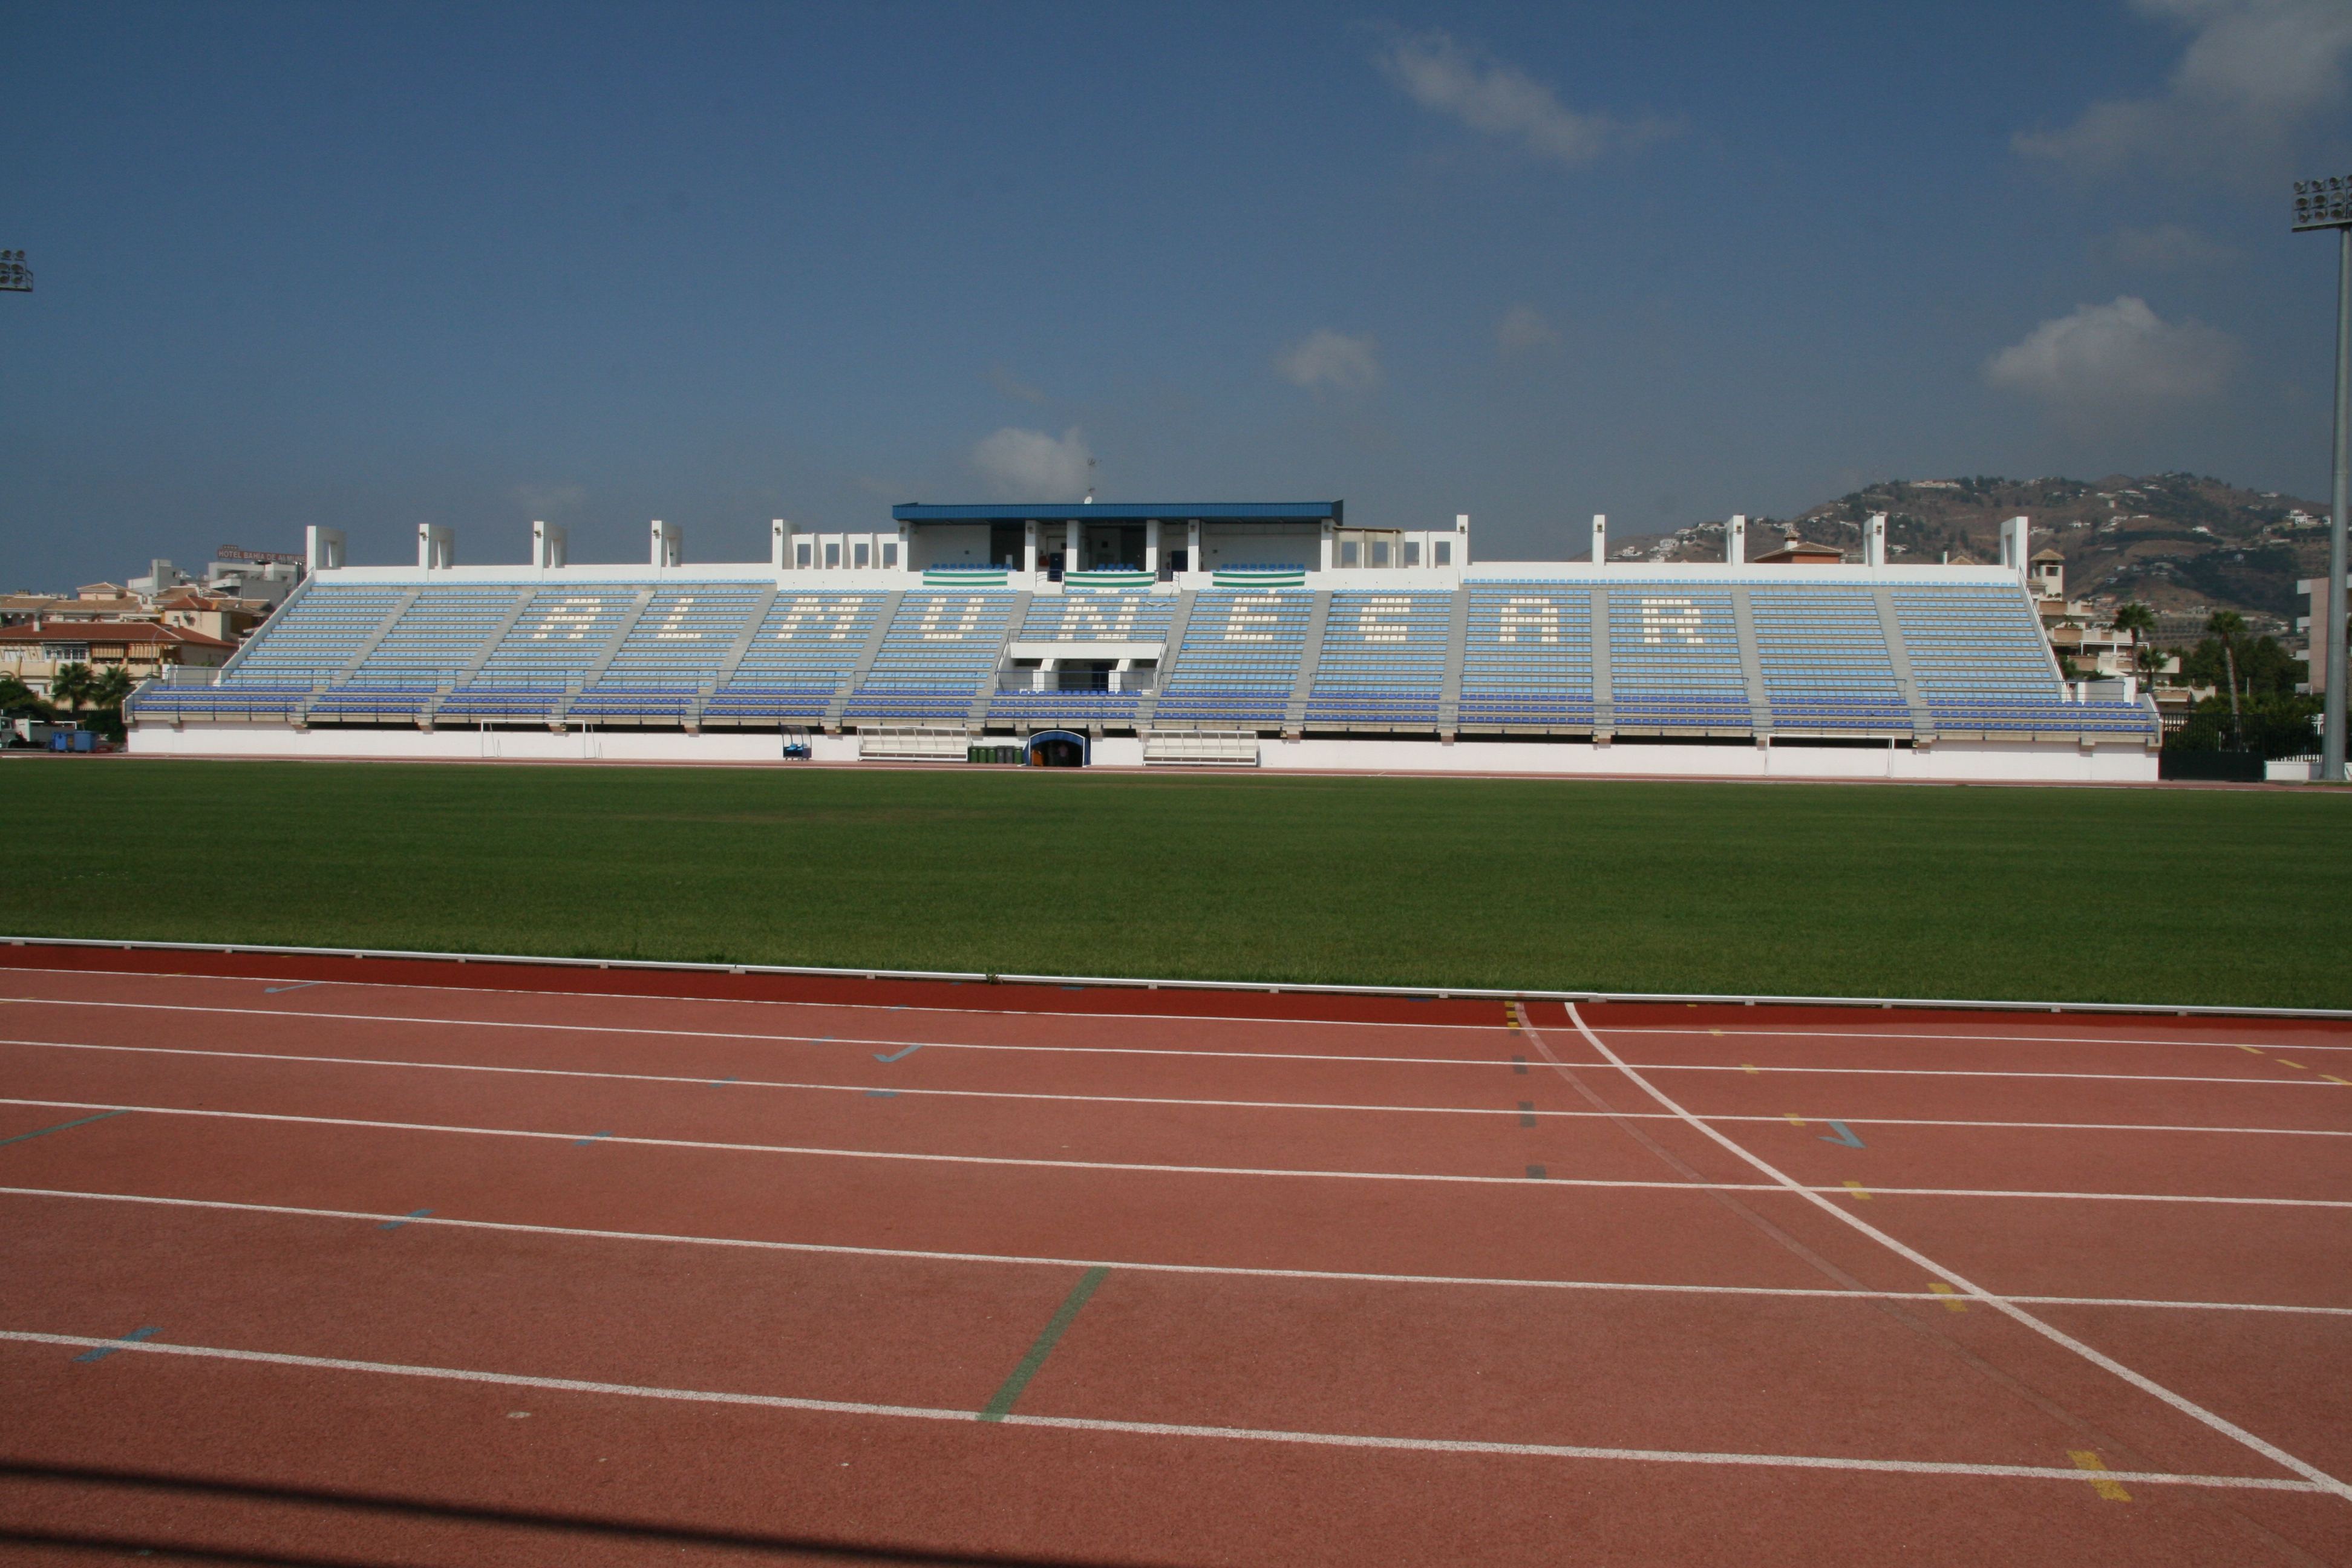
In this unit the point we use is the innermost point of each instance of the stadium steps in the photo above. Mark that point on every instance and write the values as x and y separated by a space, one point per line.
1751 662
1311 659
352 665
984 689
1177 620
604 655
866 658
734 657
481 655
1457 648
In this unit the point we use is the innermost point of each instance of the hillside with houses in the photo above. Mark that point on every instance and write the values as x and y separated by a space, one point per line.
2184 544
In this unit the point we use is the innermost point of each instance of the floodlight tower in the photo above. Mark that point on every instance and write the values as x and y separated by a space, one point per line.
2327 204
15 276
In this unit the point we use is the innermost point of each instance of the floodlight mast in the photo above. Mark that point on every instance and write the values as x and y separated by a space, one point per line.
15 276
2327 204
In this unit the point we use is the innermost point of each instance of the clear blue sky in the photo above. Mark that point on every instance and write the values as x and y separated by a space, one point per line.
373 264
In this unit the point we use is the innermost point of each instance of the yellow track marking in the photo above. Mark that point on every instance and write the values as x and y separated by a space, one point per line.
2284 1063
2333 1078
1794 1120
1856 1188
2250 1050
2086 1460
1952 1302
1749 1067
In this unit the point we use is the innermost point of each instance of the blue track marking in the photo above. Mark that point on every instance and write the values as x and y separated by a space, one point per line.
583 1142
882 1094
45 1131
99 1353
1536 1174
1518 1064
717 1081
910 1051
396 1224
1845 1136
299 985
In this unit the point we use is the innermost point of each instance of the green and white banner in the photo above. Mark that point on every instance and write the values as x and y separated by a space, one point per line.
1242 577
965 578
1109 578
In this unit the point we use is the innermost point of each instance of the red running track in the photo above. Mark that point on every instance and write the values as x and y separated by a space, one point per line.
351 1262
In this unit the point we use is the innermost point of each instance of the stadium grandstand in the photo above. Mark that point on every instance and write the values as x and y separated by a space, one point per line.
1162 635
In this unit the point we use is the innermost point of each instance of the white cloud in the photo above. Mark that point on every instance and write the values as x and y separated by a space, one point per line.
2108 362
1472 86
1523 330
2254 70
1326 358
2165 247
545 501
1005 382
1029 465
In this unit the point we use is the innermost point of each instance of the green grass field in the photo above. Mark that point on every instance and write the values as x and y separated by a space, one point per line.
2064 894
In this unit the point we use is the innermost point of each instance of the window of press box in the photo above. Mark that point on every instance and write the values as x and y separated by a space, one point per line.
803 556
1349 553
1379 552
890 556
832 557
1444 549
1413 552
862 554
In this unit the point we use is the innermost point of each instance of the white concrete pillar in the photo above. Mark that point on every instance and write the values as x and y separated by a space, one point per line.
668 544
323 548
1192 562
1029 546
1072 537
1151 545
2016 544
1873 540
549 546
779 544
1325 546
1600 538
1734 539
1462 538
436 546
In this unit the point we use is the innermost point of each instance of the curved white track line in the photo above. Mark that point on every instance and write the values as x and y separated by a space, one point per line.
2057 1336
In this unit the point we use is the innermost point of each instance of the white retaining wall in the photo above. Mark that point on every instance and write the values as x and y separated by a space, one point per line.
1950 762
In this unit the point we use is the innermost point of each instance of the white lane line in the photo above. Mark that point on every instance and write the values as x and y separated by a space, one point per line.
1214 1269
1488 1062
1737 1033
574 1134
247 1013
1919 1259
1167 1429
1187 1019
703 1080
1972 1072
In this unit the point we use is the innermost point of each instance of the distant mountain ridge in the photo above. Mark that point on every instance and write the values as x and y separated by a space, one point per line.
2181 543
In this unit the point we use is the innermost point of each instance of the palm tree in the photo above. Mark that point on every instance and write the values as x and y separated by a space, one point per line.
113 688
2229 626
72 685
2137 619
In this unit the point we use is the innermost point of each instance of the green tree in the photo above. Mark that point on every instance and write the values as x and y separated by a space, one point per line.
72 685
2230 628
2137 619
112 687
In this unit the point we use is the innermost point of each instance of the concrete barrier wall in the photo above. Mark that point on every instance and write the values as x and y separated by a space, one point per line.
1987 761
